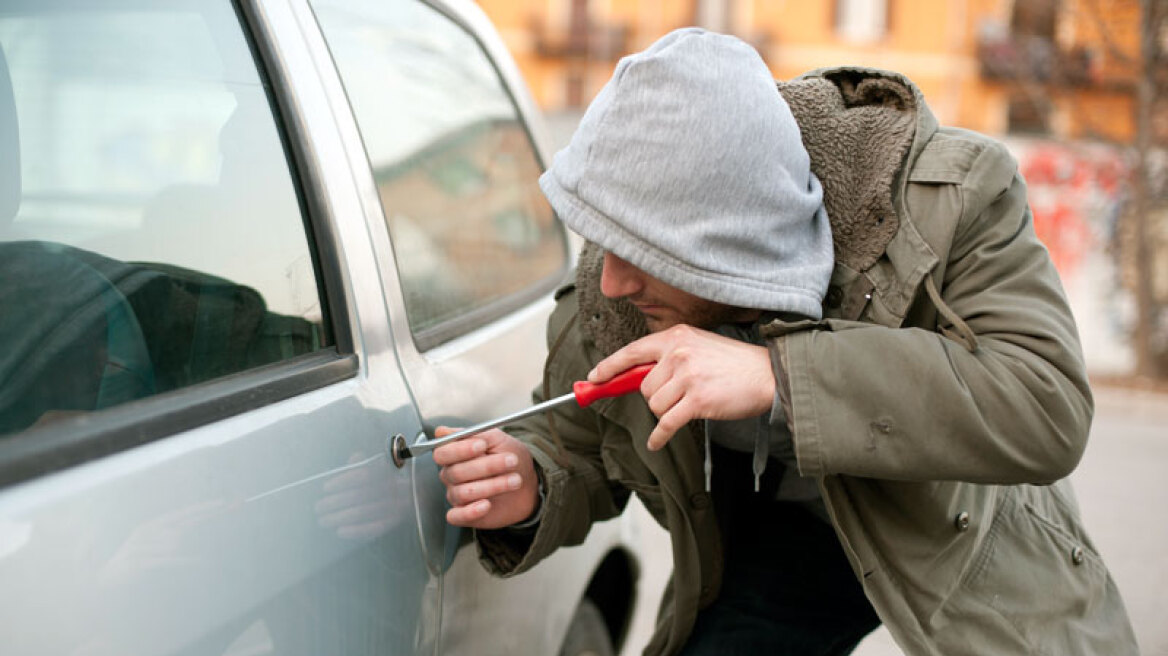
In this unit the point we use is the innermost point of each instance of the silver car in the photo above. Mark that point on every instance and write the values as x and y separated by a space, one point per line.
242 246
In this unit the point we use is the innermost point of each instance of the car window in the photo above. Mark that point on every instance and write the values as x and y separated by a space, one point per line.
151 235
454 165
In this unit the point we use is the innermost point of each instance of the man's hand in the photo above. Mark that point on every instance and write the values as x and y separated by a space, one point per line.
490 479
699 374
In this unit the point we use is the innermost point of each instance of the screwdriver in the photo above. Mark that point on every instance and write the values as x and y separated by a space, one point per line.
583 394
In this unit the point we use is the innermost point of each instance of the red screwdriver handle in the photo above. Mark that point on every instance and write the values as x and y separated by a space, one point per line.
626 382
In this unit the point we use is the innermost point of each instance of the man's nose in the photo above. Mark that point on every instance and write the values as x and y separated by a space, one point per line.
619 278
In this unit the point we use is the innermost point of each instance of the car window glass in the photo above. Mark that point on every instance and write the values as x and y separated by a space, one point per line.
455 169
151 235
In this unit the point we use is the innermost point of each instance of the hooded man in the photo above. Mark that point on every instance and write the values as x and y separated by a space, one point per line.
868 392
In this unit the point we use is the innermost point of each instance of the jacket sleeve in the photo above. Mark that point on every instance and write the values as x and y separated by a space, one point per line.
577 491
910 404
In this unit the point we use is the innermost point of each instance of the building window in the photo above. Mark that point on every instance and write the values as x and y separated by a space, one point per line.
1028 114
861 21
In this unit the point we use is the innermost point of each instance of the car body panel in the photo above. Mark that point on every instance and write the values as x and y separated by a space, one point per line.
164 549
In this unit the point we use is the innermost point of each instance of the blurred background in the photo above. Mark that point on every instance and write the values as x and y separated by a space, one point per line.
1077 89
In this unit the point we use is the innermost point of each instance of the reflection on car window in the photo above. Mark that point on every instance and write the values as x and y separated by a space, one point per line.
454 166
150 234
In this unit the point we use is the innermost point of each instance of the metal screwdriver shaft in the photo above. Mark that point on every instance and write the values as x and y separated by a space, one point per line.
583 394
430 445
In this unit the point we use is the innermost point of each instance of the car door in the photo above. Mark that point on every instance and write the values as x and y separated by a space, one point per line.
199 384
469 249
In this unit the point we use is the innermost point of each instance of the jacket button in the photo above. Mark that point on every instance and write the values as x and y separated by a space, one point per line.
699 500
1077 555
961 521
834 297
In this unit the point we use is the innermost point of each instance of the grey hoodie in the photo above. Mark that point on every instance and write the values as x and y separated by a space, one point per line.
689 165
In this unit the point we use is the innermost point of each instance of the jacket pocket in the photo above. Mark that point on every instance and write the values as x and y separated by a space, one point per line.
1036 575
621 464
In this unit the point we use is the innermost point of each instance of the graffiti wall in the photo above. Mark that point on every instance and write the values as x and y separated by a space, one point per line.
1077 195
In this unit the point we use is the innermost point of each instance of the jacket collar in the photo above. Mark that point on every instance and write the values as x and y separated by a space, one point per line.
864 129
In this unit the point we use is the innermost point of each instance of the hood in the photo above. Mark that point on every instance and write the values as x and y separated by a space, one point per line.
690 166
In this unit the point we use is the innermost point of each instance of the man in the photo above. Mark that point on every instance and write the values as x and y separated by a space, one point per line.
831 442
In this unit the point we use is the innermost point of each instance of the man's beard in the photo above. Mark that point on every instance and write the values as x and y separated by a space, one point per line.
704 314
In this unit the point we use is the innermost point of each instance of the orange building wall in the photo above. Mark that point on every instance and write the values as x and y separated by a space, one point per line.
1110 27
933 42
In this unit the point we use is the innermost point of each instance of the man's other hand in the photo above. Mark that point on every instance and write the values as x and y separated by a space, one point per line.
490 479
699 375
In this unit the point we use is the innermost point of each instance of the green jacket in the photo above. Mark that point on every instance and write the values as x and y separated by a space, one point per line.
940 403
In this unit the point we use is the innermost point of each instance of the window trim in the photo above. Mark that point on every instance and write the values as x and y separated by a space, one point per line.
314 208
839 25
79 439
76 440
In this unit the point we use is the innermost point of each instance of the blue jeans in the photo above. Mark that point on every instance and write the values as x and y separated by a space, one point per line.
788 588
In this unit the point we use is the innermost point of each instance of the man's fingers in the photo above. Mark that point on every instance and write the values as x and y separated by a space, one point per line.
483 467
665 397
460 495
478 468
494 437
468 447
659 347
460 451
642 351
671 422
468 515
489 478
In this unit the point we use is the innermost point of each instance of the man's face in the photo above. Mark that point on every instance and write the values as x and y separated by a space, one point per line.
663 305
